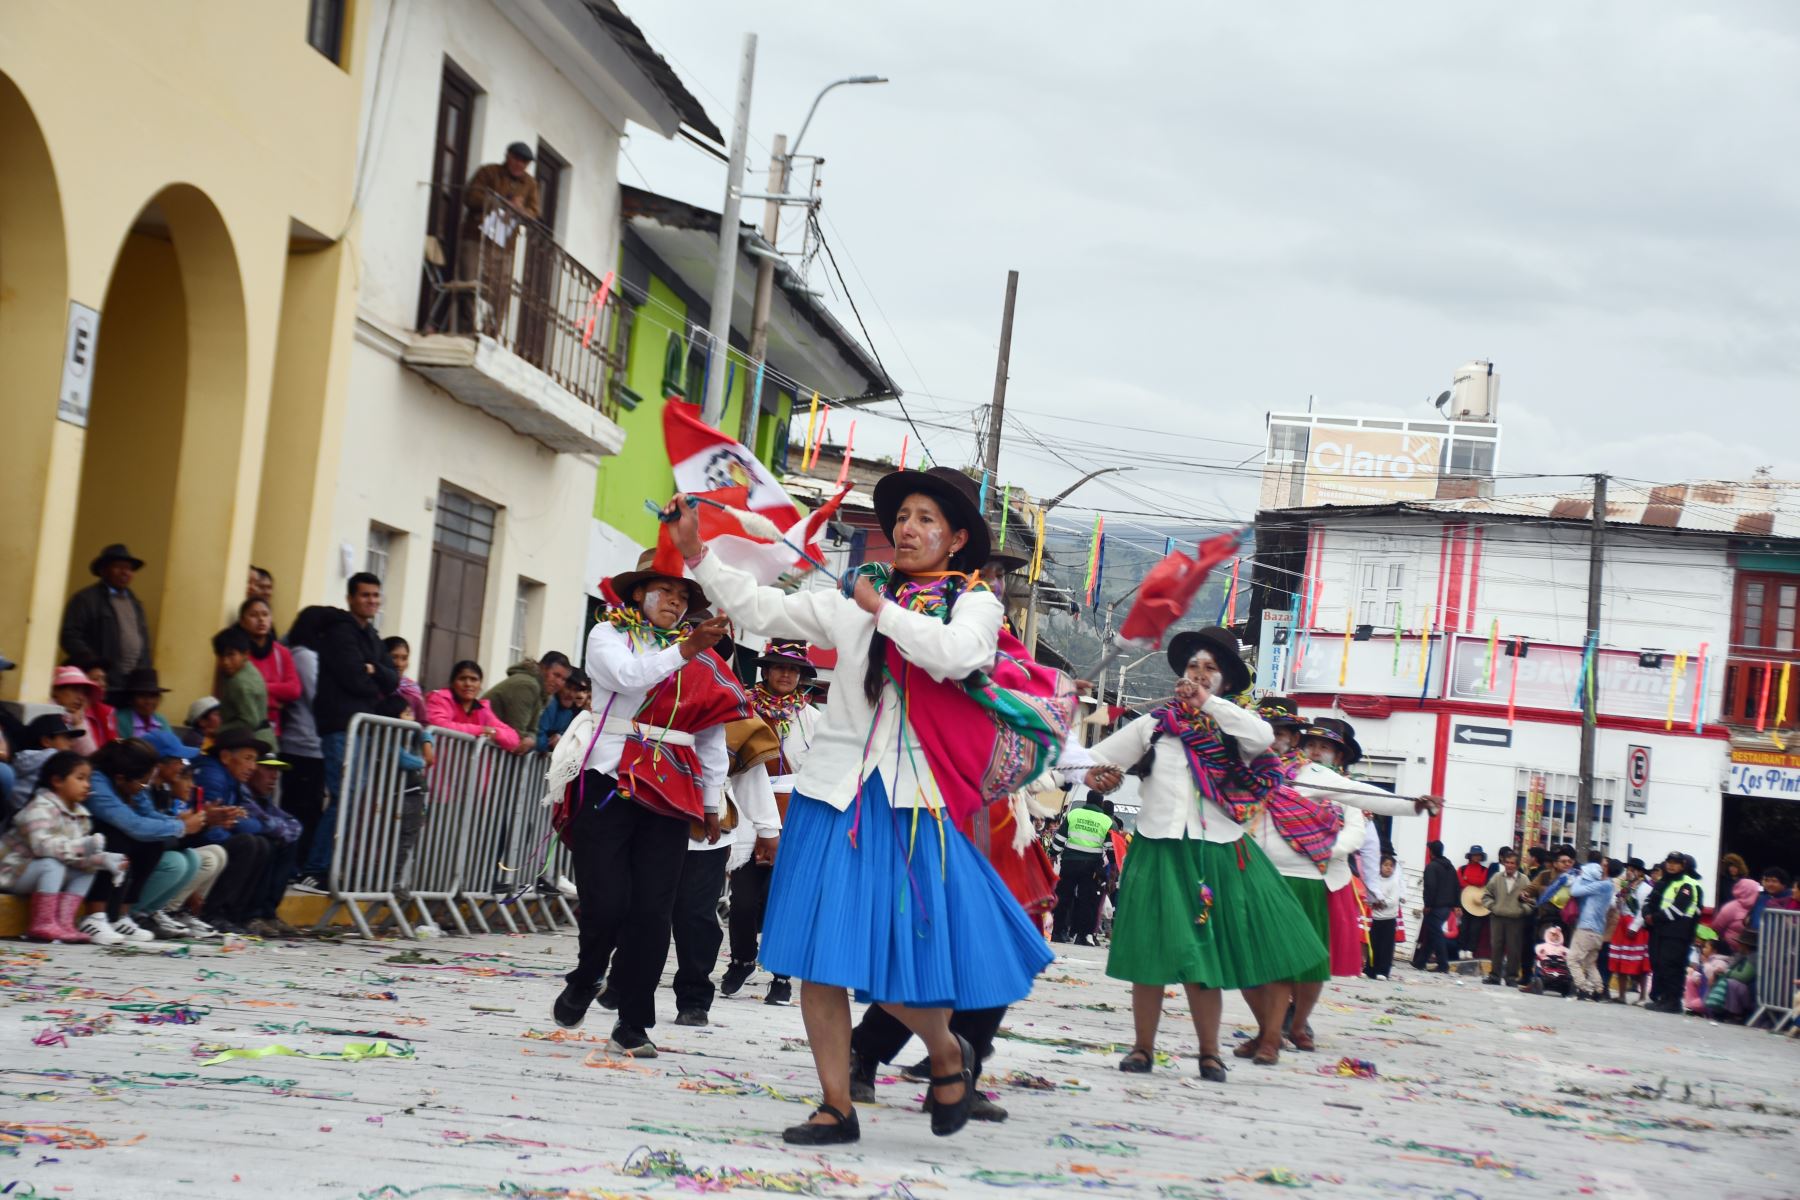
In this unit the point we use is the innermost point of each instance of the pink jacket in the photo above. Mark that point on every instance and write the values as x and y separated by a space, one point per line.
1729 920
280 678
443 710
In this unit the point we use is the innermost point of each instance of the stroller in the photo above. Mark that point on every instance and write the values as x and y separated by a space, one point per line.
1552 971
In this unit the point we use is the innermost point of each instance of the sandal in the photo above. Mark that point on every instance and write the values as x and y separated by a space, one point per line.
1267 1056
818 1133
1303 1039
1214 1073
947 1119
1138 1061
1247 1048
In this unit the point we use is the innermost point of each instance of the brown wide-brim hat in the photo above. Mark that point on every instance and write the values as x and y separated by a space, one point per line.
955 493
1224 651
624 582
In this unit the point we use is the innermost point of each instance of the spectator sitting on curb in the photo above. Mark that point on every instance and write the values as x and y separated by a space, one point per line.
203 721
135 702
71 688
43 739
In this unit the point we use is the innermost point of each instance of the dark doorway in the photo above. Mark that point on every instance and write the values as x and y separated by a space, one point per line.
540 291
449 171
1763 832
463 539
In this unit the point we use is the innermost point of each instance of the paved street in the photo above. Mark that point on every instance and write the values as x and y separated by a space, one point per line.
1481 1093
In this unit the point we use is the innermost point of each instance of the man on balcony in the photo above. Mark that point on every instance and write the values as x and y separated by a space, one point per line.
495 199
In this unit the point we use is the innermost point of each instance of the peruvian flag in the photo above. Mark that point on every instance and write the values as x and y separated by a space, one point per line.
708 463
1169 589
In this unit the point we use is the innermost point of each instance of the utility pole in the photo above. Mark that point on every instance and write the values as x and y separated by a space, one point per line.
725 276
1584 804
765 295
998 414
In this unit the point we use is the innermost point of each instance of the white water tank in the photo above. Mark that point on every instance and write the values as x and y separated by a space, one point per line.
1475 392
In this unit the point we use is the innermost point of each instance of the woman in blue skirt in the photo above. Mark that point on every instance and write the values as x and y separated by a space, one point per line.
875 892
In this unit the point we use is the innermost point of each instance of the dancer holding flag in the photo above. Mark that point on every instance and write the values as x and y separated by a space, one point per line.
655 763
1199 904
870 893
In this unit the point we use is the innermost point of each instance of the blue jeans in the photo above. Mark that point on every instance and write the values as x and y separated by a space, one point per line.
318 854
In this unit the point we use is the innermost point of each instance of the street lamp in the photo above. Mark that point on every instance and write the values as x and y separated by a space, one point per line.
815 105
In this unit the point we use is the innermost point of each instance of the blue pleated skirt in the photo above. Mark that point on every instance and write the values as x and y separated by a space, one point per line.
911 913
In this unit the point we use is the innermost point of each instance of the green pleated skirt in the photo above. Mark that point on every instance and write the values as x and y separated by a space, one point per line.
1255 931
1311 895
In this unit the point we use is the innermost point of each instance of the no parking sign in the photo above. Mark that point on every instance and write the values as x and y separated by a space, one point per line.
1637 780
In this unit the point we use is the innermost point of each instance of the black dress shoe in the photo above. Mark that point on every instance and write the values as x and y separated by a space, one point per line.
1212 1068
570 1009
983 1109
781 992
823 1133
947 1119
862 1078
919 1072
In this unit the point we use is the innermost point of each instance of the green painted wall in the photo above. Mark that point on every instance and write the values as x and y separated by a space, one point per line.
641 471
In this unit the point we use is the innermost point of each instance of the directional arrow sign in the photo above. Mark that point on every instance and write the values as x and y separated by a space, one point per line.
1482 735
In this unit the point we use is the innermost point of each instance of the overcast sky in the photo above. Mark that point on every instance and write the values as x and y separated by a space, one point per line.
1219 209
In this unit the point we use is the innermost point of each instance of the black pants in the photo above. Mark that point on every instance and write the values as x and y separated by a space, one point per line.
696 924
1432 942
1668 961
880 1036
1507 934
278 870
1469 936
303 796
1381 947
143 857
234 894
749 899
627 863
1078 895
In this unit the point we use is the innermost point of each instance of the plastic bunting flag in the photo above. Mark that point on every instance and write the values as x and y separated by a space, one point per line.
1005 506
812 427
1781 708
1674 687
1493 673
1344 662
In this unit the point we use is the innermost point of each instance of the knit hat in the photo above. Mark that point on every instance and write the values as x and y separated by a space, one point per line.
200 708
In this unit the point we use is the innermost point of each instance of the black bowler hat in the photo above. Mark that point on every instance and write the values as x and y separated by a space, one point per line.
955 493
112 554
1280 712
1224 651
1342 733
785 653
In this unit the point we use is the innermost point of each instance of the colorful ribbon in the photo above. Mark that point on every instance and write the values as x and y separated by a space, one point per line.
352 1052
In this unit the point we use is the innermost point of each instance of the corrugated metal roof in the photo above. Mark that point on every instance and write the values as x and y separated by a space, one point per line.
625 31
1760 508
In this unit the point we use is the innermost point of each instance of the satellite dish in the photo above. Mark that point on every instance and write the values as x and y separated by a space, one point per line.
1443 399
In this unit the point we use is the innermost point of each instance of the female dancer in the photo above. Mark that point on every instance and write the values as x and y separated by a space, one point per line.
1199 904
870 894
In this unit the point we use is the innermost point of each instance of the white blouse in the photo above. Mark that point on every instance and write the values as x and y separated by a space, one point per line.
852 740
1170 806
1355 799
622 676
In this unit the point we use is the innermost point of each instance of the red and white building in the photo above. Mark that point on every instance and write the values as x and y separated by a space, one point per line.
1402 617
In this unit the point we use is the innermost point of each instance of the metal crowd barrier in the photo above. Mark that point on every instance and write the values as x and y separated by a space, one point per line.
1777 966
479 832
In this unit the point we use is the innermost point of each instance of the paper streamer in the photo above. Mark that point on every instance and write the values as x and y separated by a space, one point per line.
1094 555
1425 632
819 442
1781 708
352 1052
595 306
1099 573
1762 704
1344 662
906 440
1037 551
1005 513
812 425
849 441
1675 678
1493 654
1231 597
981 501
1699 687
1399 632
1512 689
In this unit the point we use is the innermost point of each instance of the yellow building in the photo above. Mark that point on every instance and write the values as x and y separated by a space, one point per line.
186 170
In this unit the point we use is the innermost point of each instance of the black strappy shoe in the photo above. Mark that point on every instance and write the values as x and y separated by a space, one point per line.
947 1119
817 1133
1139 1061
1214 1073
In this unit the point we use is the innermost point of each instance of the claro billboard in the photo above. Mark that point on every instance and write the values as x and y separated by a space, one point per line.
1370 464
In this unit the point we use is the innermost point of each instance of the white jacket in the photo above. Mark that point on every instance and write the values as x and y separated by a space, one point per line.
852 739
1169 804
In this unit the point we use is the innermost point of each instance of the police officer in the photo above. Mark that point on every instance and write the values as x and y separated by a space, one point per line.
1673 910
1086 837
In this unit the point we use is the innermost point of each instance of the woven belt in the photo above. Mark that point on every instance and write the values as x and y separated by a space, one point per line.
653 733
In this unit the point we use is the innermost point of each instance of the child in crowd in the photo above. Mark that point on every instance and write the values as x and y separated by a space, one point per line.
1705 964
1386 893
136 701
80 699
100 711
173 795
243 696
1732 996
44 738
51 852
120 805
203 720
400 654
574 696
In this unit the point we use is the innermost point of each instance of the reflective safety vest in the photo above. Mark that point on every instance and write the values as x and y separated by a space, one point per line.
1672 905
1088 828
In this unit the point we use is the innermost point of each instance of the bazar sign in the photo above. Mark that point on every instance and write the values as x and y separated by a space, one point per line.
1548 675
1370 464
1752 779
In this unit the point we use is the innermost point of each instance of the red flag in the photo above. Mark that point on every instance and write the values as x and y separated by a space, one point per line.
1167 591
708 463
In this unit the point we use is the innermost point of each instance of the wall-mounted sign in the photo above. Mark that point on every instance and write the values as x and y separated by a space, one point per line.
1370 464
78 365
1752 779
1548 674
1637 780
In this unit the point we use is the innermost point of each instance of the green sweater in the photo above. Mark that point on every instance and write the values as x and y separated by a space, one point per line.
244 704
